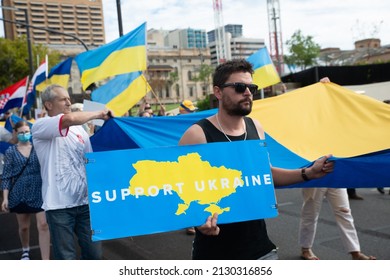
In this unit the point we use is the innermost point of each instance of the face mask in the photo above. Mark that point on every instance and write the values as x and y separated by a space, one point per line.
24 137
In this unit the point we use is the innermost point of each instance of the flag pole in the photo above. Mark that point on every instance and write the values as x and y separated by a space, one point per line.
154 94
46 68
25 97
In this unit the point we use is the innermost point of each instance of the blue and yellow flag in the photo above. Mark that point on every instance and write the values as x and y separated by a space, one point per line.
122 92
59 75
301 126
325 119
265 73
124 55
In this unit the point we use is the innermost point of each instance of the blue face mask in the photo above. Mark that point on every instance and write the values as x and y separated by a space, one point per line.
24 137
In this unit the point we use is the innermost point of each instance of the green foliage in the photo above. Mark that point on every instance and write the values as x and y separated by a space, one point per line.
173 77
14 59
205 73
204 104
204 76
303 50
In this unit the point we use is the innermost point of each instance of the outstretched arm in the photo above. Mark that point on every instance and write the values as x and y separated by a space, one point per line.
79 118
320 168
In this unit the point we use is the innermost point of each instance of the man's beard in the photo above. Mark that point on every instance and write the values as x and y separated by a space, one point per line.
237 109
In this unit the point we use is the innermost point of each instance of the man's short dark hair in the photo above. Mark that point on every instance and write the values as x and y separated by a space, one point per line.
223 71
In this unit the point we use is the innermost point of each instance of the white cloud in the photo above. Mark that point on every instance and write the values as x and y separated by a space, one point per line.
331 22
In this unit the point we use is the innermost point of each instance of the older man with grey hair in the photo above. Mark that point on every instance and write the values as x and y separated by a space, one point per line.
60 143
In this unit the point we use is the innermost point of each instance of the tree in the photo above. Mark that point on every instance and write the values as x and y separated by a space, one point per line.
14 61
173 77
204 104
303 50
204 74
173 80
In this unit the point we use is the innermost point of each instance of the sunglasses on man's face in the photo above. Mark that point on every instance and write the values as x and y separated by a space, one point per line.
241 87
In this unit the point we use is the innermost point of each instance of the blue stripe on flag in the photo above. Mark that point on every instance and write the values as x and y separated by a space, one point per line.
114 87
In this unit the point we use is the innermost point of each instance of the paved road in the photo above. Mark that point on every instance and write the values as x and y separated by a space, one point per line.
371 216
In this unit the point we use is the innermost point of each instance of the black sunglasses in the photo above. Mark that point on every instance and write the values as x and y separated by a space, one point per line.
241 87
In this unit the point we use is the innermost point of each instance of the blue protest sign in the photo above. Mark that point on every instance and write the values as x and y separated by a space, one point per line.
143 191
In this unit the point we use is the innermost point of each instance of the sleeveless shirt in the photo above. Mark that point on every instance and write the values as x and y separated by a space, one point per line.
242 240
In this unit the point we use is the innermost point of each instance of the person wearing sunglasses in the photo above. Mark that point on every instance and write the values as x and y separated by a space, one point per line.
233 87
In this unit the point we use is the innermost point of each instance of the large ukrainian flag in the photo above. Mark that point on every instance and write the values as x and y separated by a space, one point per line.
124 55
301 126
325 118
122 92
59 75
265 73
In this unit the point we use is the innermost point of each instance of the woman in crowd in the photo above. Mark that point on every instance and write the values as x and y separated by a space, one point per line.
21 184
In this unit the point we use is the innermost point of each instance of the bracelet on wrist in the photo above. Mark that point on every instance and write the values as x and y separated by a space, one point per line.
304 175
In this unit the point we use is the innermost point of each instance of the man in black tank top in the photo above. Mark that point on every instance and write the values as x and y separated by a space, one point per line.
232 86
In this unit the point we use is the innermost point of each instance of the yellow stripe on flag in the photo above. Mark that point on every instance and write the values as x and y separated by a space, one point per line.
266 76
118 62
121 103
325 119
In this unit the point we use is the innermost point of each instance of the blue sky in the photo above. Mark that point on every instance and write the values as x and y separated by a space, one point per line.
332 23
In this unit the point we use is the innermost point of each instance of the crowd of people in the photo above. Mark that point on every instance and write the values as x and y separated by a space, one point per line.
44 174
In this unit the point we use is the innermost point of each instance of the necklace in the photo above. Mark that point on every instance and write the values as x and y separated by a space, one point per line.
223 131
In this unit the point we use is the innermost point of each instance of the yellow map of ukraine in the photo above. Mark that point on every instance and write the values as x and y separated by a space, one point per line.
193 180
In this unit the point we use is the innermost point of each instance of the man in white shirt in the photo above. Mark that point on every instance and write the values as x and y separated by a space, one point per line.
60 143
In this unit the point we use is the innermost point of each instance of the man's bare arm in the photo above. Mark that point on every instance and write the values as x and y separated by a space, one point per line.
193 135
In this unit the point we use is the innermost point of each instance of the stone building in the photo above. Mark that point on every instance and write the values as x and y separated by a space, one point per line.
173 74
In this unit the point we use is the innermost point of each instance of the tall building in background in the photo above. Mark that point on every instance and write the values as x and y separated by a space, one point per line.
236 45
243 47
186 38
81 18
234 29
156 37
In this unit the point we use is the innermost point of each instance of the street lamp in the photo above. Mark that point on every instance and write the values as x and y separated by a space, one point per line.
47 30
119 11
29 48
